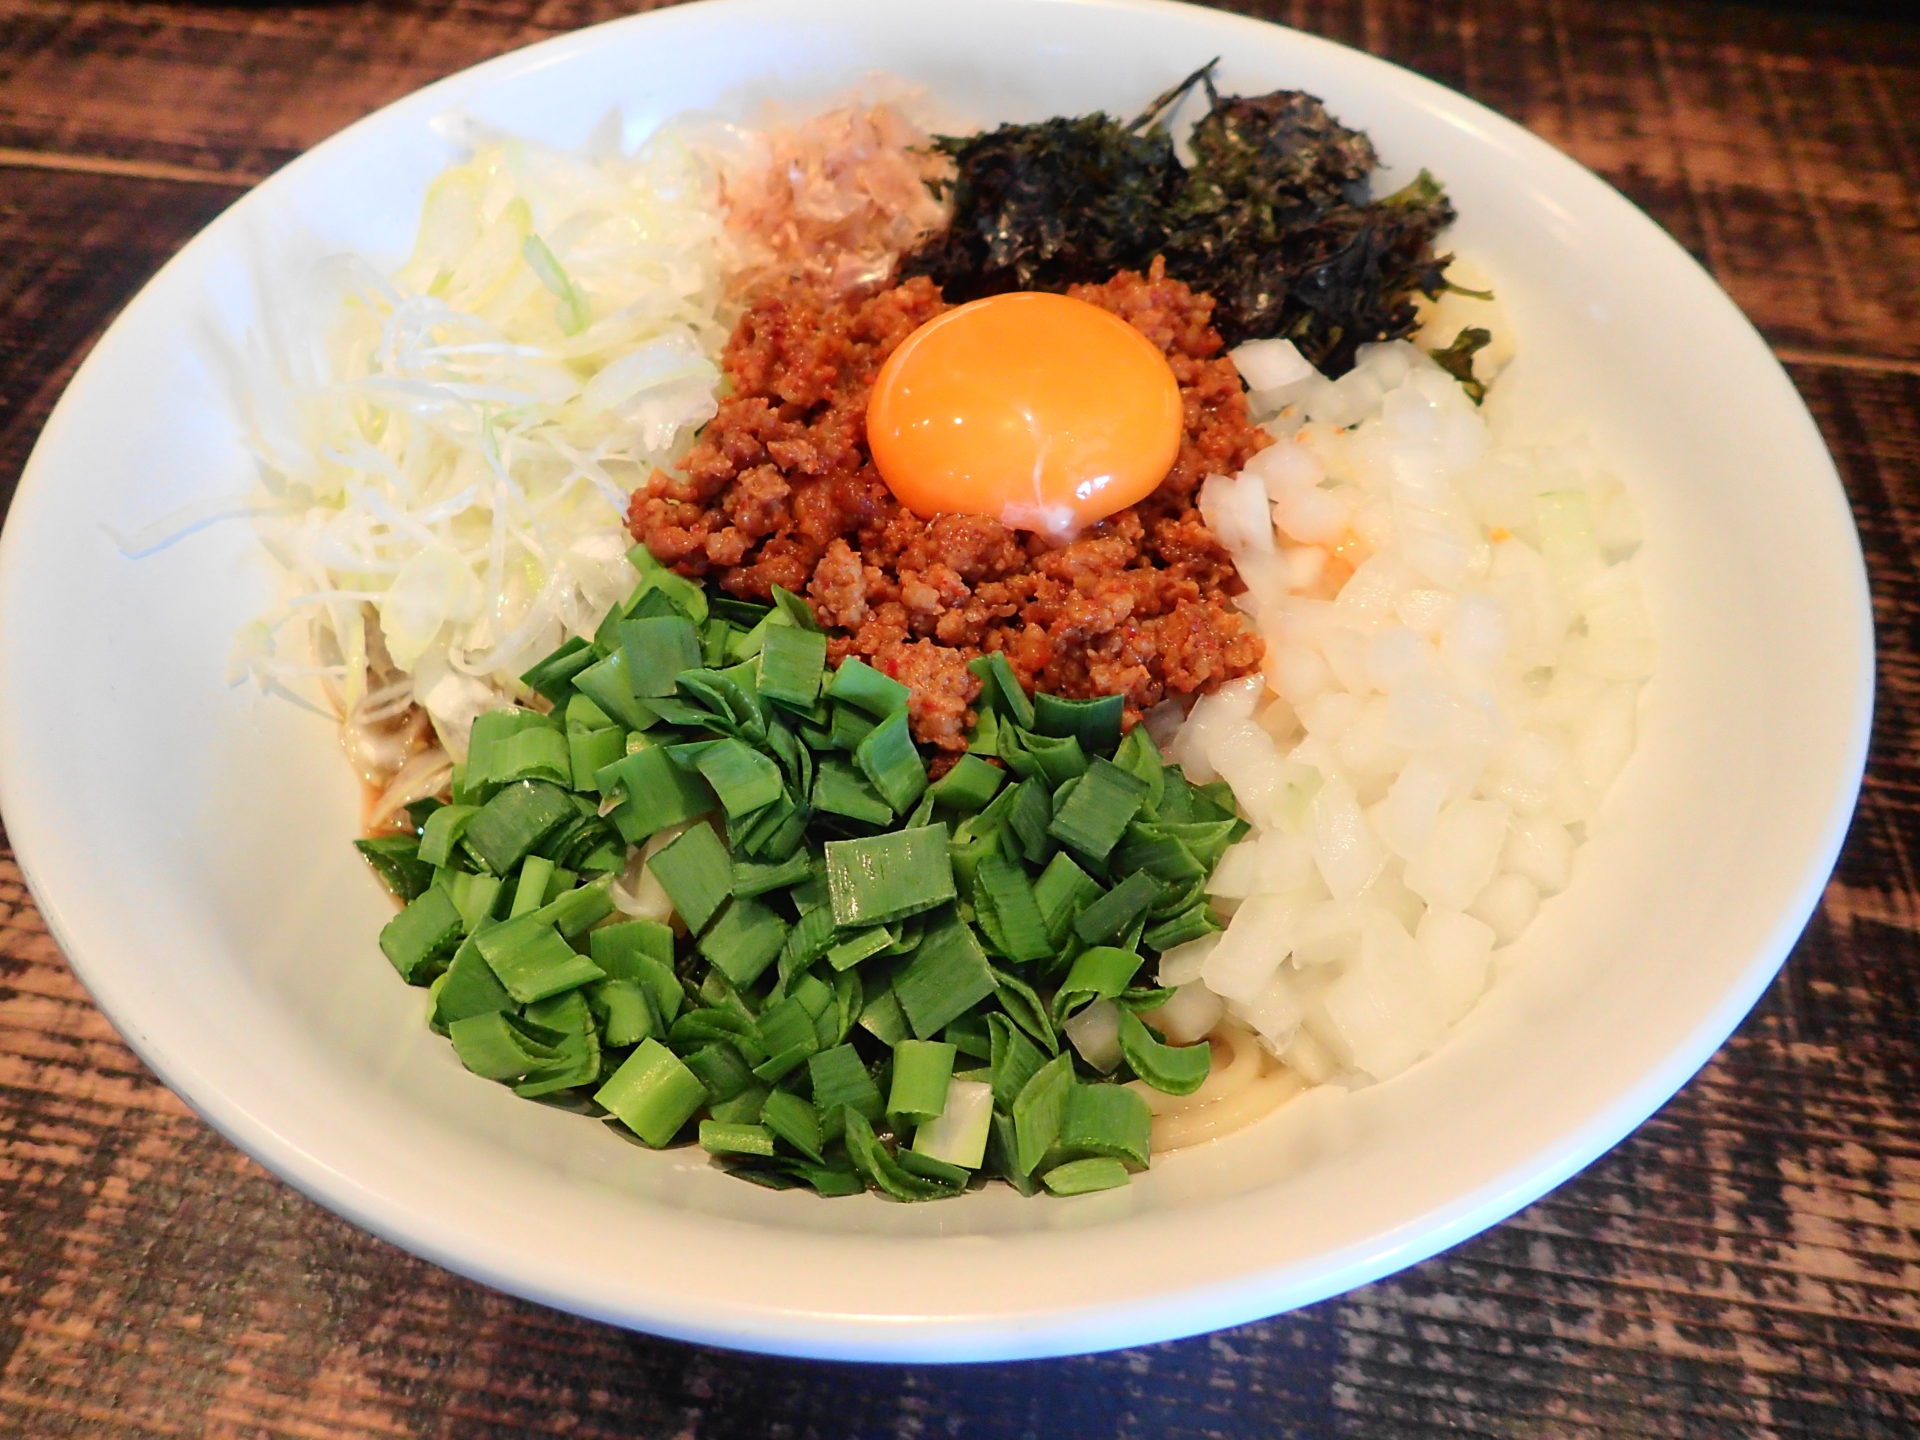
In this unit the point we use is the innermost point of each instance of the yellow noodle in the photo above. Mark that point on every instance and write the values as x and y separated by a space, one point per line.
1208 1122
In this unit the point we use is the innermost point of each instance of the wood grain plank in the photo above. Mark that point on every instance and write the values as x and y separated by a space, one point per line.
1746 1264
73 248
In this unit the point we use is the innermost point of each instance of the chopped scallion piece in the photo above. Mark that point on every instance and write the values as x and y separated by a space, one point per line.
531 959
743 779
795 1121
553 676
1172 1069
695 871
1096 723
861 945
840 789
1022 929
396 860
921 1071
1093 816
508 826
652 1093
858 684
840 1082
659 649
1038 1111
1099 973
792 662
428 930
498 1046
442 831
1083 1177
717 1138
947 976
892 765
1114 912
753 877
885 877
744 940
1000 690
969 784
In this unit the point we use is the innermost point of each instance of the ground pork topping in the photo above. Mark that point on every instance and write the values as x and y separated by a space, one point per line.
780 490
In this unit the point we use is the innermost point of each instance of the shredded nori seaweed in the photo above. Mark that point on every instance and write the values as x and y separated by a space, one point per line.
1273 219
1457 359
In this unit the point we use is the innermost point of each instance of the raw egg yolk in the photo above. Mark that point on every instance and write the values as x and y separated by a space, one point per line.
1043 411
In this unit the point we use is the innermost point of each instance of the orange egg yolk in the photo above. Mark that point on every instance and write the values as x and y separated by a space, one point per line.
1040 410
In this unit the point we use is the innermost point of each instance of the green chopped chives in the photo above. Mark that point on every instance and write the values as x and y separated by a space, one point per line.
721 1069
426 931
506 829
553 676
757 877
1105 1120
795 1121
1083 1177
1095 723
1096 813
652 1093
1110 916
1062 892
530 890
1099 973
1029 817
443 831
744 940
468 988
658 650
852 928
1001 690
511 744
1022 929
694 870
886 877
1038 1111
861 945
921 1071
947 976
1172 1069
1140 758
840 1081
531 959
969 784
792 662
892 765
840 789
858 684
607 684
1013 1060
396 860
722 1139
621 1008
496 1045
743 779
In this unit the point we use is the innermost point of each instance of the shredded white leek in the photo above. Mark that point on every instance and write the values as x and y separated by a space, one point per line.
446 467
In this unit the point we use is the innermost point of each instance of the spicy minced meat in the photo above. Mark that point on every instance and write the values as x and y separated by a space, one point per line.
780 490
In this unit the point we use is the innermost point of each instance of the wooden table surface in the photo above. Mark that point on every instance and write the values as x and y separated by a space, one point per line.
1747 1264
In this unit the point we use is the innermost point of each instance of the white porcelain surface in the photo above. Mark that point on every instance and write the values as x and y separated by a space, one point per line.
188 841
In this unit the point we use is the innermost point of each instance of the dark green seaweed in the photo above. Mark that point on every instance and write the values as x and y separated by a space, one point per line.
1274 218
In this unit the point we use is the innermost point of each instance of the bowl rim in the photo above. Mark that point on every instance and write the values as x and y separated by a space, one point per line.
1038 1330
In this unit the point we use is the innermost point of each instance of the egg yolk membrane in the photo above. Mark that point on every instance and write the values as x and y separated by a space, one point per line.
1042 411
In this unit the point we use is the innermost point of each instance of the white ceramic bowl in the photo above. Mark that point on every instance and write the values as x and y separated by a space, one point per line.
188 841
